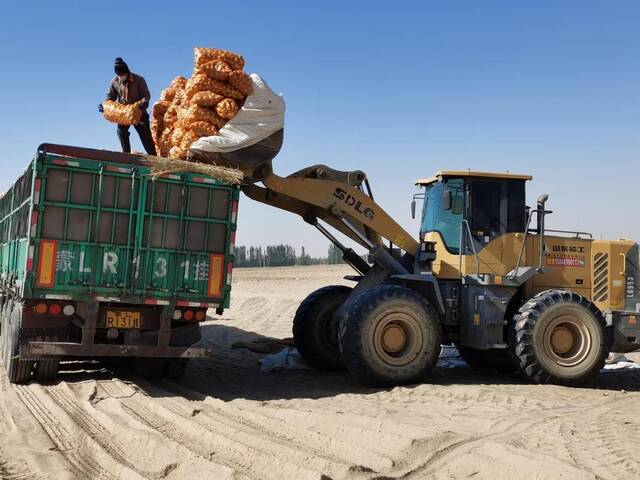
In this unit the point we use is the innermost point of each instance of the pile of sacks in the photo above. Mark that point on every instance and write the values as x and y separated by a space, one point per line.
199 106
120 113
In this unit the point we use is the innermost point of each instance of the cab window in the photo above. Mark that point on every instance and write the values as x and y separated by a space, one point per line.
444 216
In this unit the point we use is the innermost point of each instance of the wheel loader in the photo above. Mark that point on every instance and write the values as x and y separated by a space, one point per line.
484 274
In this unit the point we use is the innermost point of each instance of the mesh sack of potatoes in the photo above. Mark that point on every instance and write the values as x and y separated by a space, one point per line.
178 83
177 153
120 113
205 55
164 143
206 98
241 82
196 113
227 108
188 138
167 94
216 69
201 82
157 120
203 129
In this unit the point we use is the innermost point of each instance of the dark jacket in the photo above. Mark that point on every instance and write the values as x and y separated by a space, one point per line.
130 91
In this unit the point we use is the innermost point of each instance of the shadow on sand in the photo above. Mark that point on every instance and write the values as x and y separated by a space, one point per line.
235 374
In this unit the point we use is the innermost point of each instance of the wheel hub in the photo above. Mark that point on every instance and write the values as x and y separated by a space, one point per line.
393 338
567 340
561 339
397 338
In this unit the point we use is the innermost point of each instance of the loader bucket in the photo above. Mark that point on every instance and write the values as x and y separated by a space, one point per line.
254 161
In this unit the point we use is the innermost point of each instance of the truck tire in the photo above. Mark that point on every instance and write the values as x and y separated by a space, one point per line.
315 333
149 367
182 336
389 336
493 359
559 337
18 370
174 368
47 369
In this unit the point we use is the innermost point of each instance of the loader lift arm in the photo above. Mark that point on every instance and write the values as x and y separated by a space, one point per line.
339 199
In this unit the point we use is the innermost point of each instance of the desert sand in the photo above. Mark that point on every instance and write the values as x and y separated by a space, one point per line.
226 419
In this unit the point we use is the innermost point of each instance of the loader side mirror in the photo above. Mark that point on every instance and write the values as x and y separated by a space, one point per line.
413 208
446 199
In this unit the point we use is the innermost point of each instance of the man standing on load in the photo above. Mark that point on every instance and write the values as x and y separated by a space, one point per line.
128 88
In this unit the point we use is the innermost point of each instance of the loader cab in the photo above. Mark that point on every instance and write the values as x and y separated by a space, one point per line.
468 210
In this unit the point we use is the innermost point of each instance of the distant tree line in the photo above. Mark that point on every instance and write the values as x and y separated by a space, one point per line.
282 256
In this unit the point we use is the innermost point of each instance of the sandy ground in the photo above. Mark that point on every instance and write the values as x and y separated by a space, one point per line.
225 419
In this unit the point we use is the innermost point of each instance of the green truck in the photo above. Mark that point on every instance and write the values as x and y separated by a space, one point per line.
100 258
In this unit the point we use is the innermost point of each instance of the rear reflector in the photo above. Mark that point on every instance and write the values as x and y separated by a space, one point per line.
41 308
47 263
234 211
232 244
36 191
216 273
30 258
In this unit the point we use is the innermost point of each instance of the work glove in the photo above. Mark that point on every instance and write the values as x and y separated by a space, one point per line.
100 108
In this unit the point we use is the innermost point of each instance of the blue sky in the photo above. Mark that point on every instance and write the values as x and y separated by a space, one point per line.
397 89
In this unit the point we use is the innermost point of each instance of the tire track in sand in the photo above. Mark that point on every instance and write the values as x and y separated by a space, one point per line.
324 453
249 461
84 463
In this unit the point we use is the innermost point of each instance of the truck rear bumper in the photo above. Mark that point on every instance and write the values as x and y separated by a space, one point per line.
34 350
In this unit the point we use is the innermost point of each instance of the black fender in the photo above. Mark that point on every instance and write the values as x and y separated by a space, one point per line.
426 284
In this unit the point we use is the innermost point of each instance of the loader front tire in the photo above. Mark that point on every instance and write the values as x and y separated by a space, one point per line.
390 336
315 332
559 337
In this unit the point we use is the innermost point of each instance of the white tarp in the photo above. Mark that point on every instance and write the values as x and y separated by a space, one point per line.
261 115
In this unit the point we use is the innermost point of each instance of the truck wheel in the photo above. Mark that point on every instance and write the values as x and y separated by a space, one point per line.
18 370
315 333
559 337
174 368
47 369
390 336
494 359
149 367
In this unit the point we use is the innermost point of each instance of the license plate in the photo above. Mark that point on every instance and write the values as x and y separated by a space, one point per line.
123 319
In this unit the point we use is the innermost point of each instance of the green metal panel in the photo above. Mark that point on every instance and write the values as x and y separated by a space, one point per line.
118 232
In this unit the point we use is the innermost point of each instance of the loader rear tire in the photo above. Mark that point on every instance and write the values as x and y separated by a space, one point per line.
390 336
559 337
315 332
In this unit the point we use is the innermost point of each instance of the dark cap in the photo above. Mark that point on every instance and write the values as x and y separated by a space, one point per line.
121 67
